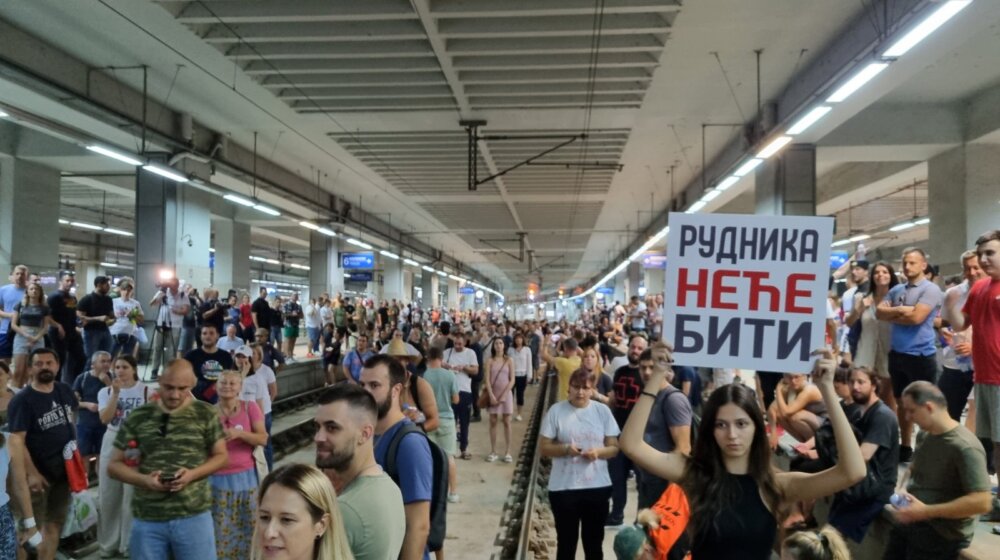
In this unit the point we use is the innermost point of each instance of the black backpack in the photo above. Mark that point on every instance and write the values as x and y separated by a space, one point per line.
439 491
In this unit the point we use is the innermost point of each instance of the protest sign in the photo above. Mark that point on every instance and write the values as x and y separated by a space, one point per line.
746 291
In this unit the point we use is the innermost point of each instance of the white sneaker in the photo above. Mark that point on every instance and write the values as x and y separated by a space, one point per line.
517 418
452 498
508 459
491 457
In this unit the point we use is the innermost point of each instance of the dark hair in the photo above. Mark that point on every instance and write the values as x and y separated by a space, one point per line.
397 373
570 343
212 326
39 351
355 397
637 335
445 327
435 353
130 360
874 379
893 279
493 348
708 488
580 377
991 235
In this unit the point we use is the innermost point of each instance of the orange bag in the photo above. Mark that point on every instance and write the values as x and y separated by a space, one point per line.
674 512
76 470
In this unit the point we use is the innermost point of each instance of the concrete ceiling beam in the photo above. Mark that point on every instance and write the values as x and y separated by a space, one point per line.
557 45
310 82
554 26
491 8
885 124
326 31
982 116
530 77
365 92
277 11
349 66
618 60
556 88
395 103
292 49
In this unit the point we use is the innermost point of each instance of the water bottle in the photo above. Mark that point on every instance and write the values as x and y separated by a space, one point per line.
899 501
132 454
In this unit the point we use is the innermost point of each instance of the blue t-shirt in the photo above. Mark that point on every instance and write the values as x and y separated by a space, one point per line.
916 340
686 373
88 386
354 361
413 463
10 296
4 467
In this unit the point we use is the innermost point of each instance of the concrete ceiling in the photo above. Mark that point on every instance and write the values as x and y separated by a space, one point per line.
367 96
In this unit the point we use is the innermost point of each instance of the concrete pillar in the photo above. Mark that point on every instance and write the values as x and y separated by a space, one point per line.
29 216
654 279
621 291
406 292
325 274
634 274
231 240
452 294
963 201
174 233
786 183
429 289
392 279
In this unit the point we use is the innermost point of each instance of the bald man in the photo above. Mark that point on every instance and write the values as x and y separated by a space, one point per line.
180 443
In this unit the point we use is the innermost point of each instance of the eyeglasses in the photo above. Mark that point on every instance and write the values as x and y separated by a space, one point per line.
164 424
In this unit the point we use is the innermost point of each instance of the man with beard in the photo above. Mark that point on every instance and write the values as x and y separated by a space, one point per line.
96 311
854 509
370 502
41 422
62 304
208 362
627 388
383 376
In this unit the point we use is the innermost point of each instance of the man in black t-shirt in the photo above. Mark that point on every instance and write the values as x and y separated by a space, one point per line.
96 311
854 509
261 311
213 311
208 362
41 424
627 388
69 348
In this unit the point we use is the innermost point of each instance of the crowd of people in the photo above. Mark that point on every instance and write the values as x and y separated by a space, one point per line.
185 467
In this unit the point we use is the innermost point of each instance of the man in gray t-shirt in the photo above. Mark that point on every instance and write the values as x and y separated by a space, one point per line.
668 428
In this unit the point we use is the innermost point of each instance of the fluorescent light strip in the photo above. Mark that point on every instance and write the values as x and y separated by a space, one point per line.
357 243
925 28
864 76
427 268
328 232
727 182
385 253
441 273
113 265
861 237
411 262
902 226
299 266
3 115
166 172
774 146
82 225
696 207
266 210
710 195
309 225
841 242
748 167
272 261
118 232
809 119
922 221
63 222
239 200
124 158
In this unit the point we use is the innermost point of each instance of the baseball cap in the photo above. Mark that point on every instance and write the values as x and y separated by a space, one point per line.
244 351
860 264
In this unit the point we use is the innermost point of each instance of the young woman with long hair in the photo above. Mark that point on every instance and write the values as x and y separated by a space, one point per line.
500 369
735 492
873 346
521 355
30 322
298 517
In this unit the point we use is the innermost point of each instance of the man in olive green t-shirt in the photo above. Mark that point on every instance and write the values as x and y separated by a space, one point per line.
948 486
180 443
371 504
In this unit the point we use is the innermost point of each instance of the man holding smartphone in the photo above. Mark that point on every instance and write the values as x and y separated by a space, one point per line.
180 443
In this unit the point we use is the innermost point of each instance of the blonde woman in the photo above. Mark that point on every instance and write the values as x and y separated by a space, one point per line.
30 322
234 486
298 517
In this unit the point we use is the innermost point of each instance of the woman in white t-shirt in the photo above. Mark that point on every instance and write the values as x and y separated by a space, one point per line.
521 355
580 435
265 388
128 314
115 403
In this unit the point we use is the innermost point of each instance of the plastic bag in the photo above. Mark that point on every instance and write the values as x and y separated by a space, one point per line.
82 514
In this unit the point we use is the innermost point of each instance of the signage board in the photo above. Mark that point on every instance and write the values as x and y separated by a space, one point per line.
837 259
467 290
746 291
359 276
606 290
654 260
355 261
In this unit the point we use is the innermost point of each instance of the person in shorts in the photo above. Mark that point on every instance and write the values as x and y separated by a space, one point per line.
445 386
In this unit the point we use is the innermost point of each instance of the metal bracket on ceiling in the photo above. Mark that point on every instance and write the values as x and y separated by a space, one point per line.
472 132
520 239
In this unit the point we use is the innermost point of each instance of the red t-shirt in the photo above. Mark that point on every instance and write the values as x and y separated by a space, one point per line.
983 310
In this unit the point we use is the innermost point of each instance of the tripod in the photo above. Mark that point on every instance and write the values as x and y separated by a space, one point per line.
161 335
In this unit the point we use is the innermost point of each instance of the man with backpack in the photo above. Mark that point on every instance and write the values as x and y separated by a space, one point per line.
416 464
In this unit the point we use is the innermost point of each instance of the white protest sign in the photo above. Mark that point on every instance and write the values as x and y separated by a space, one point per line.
746 291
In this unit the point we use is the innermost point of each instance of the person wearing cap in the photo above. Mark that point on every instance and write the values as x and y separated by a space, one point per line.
418 400
96 311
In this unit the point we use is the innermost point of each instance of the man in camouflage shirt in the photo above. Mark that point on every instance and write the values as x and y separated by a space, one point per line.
180 443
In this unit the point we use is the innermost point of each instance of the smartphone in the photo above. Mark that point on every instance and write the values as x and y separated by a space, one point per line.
167 479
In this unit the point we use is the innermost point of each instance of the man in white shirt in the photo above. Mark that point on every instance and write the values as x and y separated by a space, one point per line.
313 327
230 343
464 363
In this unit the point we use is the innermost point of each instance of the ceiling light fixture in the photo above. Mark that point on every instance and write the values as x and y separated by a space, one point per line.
166 172
775 145
841 242
3 115
748 167
118 232
266 209
427 268
727 182
83 225
239 200
112 265
411 262
63 222
696 207
357 243
441 273
299 266
385 253
124 158
309 225
864 76
860 237
925 28
921 221
328 232
902 226
809 119
711 195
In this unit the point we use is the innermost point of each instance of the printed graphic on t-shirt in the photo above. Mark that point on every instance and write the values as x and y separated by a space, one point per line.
211 369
